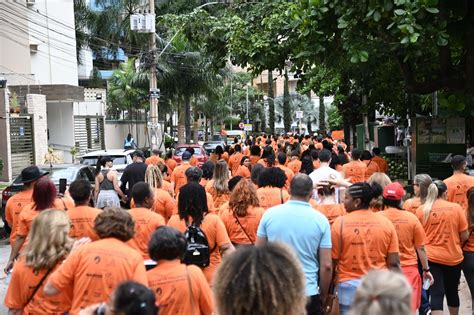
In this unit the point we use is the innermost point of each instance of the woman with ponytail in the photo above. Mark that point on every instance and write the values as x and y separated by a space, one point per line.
446 228
355 235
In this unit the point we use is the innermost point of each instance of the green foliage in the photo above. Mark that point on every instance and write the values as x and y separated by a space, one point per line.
286 104
335 121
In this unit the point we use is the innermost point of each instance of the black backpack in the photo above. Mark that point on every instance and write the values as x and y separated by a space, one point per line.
197 250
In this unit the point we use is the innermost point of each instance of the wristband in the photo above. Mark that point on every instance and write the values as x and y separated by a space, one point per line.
427 269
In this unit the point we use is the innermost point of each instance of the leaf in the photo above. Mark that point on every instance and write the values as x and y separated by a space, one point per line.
442 41
315 3
414 37
342 23
355 59
390 25
432 10
363 56
377 16
400 12
405 40
388 5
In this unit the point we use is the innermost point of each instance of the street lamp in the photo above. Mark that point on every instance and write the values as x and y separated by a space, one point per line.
247 104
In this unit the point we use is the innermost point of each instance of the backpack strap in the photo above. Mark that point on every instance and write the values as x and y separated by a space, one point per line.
281 196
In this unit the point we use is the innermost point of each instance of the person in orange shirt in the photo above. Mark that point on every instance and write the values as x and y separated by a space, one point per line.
382 180
163 203
242 214
178 178
468 248
217 154
459 183
372 167
411 240
245 168
154 158
268 157
169 161
194 174
95 269
355 170
383 166
28 177
207 173
44 197
421 182
235 159
48 247
328 204
146 221
271 183
294 164
218 186
255 153
446 228
193 161
288 172
192 208
82 216
180 289
357 233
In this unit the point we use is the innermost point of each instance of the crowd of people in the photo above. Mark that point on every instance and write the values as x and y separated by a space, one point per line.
271 225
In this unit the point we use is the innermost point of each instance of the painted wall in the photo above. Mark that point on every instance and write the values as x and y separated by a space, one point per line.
61 126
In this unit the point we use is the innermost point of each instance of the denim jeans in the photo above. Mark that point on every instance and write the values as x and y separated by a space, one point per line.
347 291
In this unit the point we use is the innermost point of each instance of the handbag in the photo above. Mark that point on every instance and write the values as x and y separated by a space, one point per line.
331 305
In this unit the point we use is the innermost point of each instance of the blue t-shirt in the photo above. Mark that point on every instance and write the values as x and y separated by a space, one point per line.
298 225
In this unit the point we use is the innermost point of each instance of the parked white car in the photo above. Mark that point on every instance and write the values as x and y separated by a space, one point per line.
121 158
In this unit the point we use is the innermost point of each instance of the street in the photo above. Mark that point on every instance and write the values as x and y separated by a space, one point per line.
465 309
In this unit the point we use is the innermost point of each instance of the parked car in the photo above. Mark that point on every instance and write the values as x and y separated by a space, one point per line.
70 172
211 146
199 153
121 158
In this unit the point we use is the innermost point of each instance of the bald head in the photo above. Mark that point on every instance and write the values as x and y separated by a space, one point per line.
301 187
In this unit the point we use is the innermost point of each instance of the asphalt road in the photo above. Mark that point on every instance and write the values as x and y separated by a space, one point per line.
466 308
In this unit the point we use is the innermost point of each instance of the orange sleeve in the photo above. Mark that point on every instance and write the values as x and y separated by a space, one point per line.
222 238
393 245
22 229
210 203
159 220
335 237
16 297
420 236
205 297
463 225
139 274
9 212
173 177
63 277
170 206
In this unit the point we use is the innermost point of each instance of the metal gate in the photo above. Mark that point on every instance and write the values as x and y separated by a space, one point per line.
22 145
89 133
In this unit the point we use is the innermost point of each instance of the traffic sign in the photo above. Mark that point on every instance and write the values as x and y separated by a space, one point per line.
248 127
241 125
299 114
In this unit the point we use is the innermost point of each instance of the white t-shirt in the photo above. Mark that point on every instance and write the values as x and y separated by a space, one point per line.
323 173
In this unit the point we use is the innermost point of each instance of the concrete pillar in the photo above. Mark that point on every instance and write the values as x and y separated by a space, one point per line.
36 106
5 148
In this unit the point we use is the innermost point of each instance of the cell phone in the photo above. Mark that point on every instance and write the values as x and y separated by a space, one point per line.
62 185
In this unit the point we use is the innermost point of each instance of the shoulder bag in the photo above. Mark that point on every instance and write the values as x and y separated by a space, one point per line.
243 229
331 305
40 283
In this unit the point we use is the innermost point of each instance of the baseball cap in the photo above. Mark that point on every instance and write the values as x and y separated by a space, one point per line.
186 155
193 173
139 153
394 191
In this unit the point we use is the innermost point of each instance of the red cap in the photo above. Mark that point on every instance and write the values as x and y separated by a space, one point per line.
394 191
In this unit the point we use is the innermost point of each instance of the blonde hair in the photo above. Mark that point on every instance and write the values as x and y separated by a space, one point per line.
383 180
383 292
430 200
153 177
48 239
423 181
221 177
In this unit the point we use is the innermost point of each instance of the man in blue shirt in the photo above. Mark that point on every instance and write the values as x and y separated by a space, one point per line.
307 231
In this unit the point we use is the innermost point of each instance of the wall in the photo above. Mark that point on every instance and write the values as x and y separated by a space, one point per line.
5 151
36 106
61 126
116 131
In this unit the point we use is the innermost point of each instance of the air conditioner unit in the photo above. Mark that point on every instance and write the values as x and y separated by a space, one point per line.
137 22
30 2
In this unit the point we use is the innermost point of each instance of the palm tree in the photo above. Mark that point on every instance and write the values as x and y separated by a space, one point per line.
298 102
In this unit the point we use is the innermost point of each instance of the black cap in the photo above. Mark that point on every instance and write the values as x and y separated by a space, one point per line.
139 153
193 173
30 174
457 161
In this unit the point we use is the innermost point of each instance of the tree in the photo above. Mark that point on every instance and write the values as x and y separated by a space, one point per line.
286 104
322 114
271 104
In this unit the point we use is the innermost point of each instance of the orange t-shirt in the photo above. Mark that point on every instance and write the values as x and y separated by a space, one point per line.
164 204
234 162
28 214
254 159
249 223
82 222
225 156
367 240
216 236
412 204
272 196
13 208
167 186
294 165
469 246
154 159
289 174
178 177
193 161
22 284
146 222
410 234
355 170
218 198
445 222
383 166
171 164
458 185
243 171
170 282
94 270
372 168
332 212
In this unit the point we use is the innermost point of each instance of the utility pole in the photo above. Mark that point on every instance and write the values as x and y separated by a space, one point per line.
154 99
